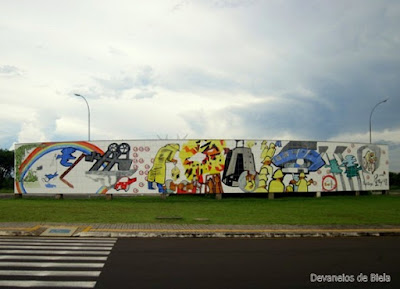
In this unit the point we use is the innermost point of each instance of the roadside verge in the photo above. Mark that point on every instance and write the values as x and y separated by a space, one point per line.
195 231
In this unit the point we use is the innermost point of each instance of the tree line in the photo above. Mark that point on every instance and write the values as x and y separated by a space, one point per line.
394 179
7 171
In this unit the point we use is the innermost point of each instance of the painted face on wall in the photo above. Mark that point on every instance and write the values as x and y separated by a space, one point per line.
370 157
175 174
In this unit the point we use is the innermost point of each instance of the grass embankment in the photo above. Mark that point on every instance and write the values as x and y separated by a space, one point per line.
362 210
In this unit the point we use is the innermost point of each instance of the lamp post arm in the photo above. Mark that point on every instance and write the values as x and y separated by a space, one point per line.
370 119
87 104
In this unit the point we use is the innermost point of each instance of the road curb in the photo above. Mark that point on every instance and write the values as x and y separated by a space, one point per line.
234 235
198 231
16 233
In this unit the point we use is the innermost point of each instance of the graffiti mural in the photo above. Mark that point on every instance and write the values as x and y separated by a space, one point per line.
158 171
199 166
203 161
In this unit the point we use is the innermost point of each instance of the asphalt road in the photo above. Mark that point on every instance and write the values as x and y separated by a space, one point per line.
253 263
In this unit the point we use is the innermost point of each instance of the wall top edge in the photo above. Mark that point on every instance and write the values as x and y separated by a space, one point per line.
188 139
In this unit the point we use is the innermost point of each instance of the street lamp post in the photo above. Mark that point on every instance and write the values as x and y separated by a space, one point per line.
370 119
88 113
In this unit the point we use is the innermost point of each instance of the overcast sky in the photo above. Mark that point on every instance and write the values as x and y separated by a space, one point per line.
304 70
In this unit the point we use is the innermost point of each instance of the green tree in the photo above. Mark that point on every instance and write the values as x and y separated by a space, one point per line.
6 169
394 179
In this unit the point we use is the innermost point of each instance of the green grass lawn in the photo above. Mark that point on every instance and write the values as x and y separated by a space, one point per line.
365 210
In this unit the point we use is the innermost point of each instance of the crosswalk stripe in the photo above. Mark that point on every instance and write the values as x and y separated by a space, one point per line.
51 264
55 240
54 244
51 284
33 261
58 252
50 273
54 247
52 258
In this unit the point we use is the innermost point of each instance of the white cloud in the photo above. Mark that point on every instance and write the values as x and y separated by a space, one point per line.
72 127
14 113
31 130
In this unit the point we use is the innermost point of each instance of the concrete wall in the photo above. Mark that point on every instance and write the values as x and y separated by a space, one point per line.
199 166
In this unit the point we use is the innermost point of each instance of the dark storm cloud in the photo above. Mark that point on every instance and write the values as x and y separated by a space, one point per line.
302 119
347 111
346 53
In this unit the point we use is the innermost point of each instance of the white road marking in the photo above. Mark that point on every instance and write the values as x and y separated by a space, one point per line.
53 247
52 258
50 273
34 258
51 284
54 244
61 252
55 240
51 264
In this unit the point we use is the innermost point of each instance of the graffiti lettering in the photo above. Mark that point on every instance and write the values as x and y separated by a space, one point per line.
379 181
